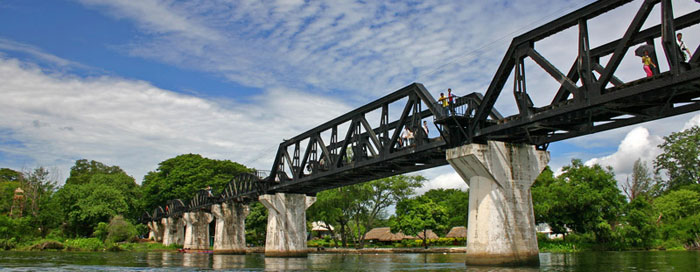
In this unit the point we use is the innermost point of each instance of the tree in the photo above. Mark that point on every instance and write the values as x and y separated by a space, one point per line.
677 204
256 224
641 183
680 158
84 206
39 187
334 208
376 196
583 198
83 170
7 174
97 193
418 215
182 176
456 204
640 230
9 182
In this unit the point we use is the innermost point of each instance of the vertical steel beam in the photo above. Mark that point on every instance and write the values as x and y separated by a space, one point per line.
668 37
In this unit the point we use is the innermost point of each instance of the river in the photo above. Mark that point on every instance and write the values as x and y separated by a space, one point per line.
155 261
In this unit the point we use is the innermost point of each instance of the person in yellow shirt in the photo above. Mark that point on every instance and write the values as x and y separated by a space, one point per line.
443 99
646 60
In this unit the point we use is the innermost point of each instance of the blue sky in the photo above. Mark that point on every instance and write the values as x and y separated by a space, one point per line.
132 83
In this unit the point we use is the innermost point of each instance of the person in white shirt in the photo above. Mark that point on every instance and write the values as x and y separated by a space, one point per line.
682 47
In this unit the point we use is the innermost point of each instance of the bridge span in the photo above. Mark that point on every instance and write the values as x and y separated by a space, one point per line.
498 156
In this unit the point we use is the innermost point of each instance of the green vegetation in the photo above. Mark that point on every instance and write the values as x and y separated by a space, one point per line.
99 206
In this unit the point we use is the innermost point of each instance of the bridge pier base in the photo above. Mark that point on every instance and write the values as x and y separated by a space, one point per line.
230 227
286 224
501 226
197 230
155 231
173 231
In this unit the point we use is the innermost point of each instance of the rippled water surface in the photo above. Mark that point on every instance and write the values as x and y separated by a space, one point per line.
156 261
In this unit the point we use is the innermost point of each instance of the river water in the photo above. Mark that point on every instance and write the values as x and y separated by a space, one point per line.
157 261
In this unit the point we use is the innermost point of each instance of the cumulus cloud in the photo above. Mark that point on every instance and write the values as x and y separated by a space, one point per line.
55 119
638 144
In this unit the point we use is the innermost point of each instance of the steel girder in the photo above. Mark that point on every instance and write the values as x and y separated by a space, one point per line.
590 98
310 162
244 188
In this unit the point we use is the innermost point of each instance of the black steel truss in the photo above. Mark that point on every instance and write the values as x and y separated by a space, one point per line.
590 99
308 163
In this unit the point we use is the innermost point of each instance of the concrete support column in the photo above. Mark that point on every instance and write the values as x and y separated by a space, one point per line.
286 224
501 226
197 230
155 232
173 231
230 227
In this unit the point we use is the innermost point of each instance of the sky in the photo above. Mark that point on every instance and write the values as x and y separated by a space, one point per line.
133 83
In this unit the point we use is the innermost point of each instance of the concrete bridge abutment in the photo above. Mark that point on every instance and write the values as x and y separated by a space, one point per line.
197 230
501 224
286 224
173 231
230 227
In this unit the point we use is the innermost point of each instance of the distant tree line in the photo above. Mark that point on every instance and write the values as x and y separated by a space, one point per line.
652 209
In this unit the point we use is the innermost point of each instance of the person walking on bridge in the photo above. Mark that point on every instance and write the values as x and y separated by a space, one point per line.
683 48
646 60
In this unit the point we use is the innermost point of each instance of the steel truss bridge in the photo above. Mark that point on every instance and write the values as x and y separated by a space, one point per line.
365 144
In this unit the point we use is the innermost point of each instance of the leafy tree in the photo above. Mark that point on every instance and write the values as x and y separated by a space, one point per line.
548 205
181 177
83 170
256 224
418 215
677 204
640 230
9 182
456 203
641 183
120 230
96 193
39 186
334 208
583 198
7 174
376 196
84 206
680 158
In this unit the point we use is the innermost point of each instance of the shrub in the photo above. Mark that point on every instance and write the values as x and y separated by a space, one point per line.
89 244
120 230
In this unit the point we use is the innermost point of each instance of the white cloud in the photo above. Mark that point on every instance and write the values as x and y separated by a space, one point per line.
56 119
9 45
638 144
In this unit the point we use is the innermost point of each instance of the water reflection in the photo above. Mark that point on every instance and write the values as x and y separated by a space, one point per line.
201 260
136 261
286 264
229 261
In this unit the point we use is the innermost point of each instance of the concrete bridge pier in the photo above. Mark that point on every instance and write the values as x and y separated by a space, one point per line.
286 224
230 227
197 230
173 231
155 232
501 226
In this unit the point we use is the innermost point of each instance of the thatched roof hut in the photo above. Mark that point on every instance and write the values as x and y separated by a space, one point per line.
385 235
457 232
429 233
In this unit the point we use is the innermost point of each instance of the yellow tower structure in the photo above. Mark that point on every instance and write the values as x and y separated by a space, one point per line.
17 203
